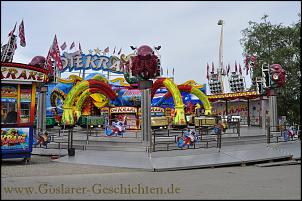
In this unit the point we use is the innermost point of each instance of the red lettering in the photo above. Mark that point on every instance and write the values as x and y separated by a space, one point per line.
23 75
3 70
40 76
12 72
32 75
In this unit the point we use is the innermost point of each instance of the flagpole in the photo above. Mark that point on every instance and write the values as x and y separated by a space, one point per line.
83 66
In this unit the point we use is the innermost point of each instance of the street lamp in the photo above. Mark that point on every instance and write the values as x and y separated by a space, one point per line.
221 22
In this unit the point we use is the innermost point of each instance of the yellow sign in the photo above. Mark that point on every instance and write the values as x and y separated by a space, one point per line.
123 110
14 74
157 109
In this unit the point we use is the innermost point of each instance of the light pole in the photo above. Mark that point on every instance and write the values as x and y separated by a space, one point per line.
221 72
221 22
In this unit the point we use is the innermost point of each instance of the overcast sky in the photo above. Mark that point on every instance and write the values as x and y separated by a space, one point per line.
187 31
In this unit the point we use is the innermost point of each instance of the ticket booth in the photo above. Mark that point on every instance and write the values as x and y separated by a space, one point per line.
18 92
131 114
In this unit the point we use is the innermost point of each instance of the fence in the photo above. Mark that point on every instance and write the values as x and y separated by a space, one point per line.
283 133
169 137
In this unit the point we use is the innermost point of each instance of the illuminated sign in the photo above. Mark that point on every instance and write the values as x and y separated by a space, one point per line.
14 138
9 92
77 61
105 110
157 109
20 74
123 110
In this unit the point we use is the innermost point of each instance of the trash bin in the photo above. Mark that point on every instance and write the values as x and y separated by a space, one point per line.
71 151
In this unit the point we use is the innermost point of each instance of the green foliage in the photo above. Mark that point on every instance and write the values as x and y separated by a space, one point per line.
279 44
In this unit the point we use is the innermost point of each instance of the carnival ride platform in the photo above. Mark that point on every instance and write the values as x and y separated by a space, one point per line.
188 159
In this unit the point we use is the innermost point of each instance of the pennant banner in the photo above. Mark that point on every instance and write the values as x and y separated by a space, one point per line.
13 31
72 45
22 34
63 46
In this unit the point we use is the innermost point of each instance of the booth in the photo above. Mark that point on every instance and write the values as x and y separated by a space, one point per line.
131 114
18 92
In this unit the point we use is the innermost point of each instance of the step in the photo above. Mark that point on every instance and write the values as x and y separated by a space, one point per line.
65 146
115 148
279 163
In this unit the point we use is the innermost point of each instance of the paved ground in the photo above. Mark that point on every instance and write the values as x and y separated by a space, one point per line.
45 179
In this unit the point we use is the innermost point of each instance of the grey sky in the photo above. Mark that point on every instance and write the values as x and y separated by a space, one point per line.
187 31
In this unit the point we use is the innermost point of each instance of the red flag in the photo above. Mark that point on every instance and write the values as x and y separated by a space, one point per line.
212 67
72 45
253 61
80 47
119 52
22 34
113 51
228 69
235 67
106 50
55 53
246 62
240 71
63 46
208 67
13 31
49 62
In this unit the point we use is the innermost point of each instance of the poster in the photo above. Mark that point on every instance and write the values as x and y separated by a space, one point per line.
15 138
25 95
9 94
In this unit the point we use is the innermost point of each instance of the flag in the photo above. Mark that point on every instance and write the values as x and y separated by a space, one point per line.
63 46
246 62
240 71
235 67
49 62
208 67
253 61
106 50
22 34
119 52
212 67
13 31
80 47
72 45
228 69
55 53
114 50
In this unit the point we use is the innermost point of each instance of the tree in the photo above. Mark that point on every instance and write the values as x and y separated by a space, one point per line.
278 44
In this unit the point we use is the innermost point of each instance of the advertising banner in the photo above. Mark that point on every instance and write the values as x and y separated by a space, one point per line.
15 139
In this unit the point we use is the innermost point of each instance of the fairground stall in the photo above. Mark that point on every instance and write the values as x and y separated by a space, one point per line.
130 113
18 91
248 105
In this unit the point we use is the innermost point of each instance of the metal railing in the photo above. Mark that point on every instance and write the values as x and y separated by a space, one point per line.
283 133
168 138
